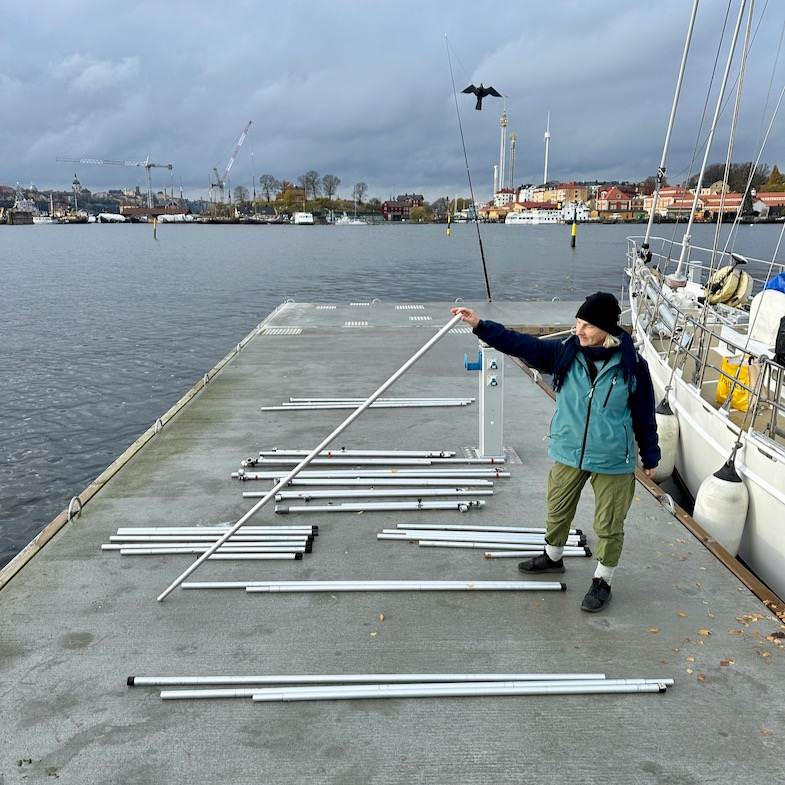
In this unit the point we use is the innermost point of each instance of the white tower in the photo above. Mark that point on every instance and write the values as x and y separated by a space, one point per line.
513 143
495 178
502 146
547 138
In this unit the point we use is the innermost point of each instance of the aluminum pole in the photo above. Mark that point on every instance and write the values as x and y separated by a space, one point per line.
359 474
382 482
342 451
308 458
459 506
346 586
433 691
368 493
334 586
352 678
497 554
468 527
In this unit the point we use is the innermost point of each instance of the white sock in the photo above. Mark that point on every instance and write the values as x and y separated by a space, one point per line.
554 552
606 573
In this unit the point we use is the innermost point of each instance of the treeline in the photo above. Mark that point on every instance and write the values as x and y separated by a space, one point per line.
764 178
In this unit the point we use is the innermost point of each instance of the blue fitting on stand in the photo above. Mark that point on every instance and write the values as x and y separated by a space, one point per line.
472 366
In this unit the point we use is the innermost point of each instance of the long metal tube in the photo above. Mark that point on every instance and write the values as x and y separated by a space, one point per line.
678 276
341 452
479 545
133 530
503 554
370 473
460 527
381 482
460 506
403 688
271 539
677 93
344 586
308 458
185 547
353 678
375 585
433 691
305 407
533 539
273 461
220 556
389 399
381 492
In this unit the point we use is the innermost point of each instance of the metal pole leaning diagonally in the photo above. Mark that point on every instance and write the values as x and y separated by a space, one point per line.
308 458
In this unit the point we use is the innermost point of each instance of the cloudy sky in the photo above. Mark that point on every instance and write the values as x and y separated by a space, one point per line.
362 90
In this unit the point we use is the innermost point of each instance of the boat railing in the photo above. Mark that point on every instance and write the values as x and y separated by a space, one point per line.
689 337
665 259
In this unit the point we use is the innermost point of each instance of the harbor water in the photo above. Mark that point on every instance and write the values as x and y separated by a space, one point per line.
105 327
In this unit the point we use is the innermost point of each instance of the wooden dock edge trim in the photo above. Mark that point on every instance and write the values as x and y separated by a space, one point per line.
37 543
771 600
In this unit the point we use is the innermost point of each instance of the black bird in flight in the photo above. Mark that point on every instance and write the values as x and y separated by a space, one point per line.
481 92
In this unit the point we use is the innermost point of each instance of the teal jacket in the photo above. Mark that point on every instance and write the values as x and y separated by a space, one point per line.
597 424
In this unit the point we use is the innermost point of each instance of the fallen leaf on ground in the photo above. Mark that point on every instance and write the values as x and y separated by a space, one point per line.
701 677
690 658
727 662
682 614
689 670
737 633
654 630
779 634
765 654
381 617
704 632
766 732
374 634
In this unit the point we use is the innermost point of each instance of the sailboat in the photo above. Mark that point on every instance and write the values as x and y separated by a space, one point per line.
344 219
710 322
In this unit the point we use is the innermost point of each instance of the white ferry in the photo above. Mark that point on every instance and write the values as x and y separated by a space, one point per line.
302 219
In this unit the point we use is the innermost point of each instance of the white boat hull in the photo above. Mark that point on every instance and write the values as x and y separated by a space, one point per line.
705 443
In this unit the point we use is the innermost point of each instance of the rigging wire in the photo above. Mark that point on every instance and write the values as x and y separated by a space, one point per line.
468 174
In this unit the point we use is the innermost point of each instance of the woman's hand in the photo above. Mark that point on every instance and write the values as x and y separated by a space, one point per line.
650 472
467 315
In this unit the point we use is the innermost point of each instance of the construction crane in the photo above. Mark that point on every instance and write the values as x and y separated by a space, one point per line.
147 164
221 180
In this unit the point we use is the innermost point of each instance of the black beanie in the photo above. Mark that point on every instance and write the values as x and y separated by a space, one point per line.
602 310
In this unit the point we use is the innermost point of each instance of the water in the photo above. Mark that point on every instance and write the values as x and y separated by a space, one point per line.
105 328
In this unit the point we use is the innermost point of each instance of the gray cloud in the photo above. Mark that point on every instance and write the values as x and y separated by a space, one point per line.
362 91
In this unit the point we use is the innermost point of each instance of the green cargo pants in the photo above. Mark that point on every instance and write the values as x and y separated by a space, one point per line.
613 496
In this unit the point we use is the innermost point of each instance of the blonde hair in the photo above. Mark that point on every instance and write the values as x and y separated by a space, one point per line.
610 342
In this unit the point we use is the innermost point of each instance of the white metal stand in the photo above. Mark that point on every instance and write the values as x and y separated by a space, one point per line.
490 364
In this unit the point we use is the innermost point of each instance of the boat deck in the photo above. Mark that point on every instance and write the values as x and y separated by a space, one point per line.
75 622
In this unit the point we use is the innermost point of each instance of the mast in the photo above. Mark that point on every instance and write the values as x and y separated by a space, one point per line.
678 278
645 254
547 138
513 142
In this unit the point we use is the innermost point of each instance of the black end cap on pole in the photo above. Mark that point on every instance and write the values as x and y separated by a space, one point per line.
727 472
563 586
281 510
298 556
587 549
582 541
308 547
579 532
130 681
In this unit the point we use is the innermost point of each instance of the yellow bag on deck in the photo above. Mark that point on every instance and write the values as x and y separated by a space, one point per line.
741 398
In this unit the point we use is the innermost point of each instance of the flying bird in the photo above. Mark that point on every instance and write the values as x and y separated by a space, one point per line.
481 92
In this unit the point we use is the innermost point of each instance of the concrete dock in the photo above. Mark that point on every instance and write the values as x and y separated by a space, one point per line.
75 622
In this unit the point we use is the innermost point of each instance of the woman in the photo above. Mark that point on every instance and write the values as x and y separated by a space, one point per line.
604 405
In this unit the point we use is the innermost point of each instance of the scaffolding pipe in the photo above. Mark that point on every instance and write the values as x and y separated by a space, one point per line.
449 482
201 548
219 556
343 452
378 492
521 539
327 474
467 690
273 461
345 586
390 399
307 530
478 545
317 407
403 688
461 506
504 554
468 527
352 678
308 458
242 538
335 586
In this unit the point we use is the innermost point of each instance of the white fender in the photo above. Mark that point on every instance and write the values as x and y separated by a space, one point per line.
721 507
668 436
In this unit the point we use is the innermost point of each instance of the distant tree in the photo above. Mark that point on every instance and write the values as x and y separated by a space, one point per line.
240 194
374 202
775 181
268 185
738 174
439 207
649 184
420 214
359 191
330 185
283 187
310 183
